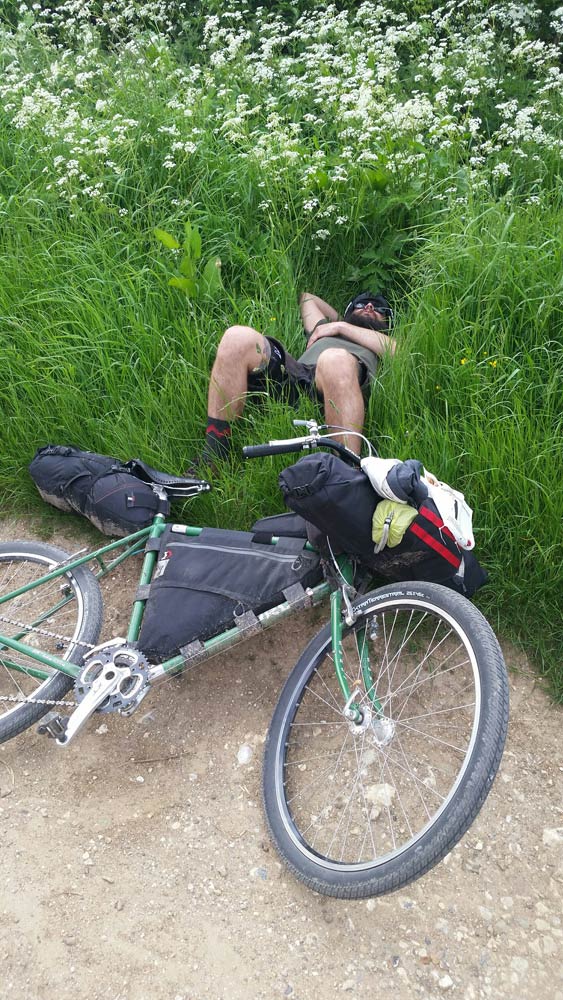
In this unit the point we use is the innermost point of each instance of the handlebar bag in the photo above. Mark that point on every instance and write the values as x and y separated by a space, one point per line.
97 486
202 584
340 502
336 498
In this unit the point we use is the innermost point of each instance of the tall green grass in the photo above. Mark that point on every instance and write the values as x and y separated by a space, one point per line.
461 226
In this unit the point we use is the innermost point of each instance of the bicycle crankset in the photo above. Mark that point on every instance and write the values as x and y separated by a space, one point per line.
114 679
119 662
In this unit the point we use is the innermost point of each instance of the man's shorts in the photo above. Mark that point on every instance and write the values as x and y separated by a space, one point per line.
285 377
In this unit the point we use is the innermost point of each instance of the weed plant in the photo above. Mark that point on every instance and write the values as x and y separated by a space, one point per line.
413 148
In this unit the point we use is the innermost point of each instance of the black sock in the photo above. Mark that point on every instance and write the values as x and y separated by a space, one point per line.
217 439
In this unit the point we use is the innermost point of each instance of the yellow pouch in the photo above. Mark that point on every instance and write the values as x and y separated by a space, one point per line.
390 521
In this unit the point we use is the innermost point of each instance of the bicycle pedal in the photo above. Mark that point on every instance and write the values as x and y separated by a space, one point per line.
53 725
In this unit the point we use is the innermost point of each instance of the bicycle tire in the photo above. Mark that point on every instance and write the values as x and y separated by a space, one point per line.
62 617
361 812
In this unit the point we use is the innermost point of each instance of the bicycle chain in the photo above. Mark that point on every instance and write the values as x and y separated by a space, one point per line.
33 701
50 635
43 631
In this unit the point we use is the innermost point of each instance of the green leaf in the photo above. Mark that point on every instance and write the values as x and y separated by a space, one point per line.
187 266
195 243
211 280
377 178
169 241
187 285
321 179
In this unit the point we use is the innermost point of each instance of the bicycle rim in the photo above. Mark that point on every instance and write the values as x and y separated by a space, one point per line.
354 797
50 618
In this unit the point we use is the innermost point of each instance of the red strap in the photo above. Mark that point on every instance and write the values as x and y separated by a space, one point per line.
436 521
435 544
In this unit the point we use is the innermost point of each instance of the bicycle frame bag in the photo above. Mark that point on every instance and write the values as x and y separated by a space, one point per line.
340 502
98 486
205 584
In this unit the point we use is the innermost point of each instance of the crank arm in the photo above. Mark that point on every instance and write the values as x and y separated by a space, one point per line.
110 678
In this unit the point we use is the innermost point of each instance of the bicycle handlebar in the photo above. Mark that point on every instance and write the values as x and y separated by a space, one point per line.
273 448
299 444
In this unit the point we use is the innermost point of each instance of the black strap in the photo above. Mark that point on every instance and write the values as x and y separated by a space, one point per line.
283 544
262 537
153 545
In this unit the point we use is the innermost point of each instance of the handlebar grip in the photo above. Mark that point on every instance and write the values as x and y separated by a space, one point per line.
259 450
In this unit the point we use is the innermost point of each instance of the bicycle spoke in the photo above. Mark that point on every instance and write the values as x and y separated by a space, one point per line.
353 795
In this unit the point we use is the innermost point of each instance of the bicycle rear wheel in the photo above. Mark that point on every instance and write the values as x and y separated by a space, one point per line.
362 808
62 617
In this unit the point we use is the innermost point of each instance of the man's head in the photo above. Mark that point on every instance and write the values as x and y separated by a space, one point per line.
369 310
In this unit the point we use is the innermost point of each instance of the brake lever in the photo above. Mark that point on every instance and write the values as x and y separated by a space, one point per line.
311 425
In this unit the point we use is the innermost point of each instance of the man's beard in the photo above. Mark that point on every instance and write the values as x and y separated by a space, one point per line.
358 319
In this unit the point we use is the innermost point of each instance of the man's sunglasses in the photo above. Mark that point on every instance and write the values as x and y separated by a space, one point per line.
384 310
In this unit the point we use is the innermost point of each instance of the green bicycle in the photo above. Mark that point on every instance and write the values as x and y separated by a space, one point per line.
386 737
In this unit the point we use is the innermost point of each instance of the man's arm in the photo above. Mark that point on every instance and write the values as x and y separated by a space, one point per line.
376 341
314 310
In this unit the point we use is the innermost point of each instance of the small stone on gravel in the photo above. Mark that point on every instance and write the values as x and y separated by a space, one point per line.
553 837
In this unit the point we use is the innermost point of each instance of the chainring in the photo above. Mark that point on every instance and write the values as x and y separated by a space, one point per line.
129 690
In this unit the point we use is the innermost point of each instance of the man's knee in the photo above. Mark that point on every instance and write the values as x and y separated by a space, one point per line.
337 366
236 338
243 343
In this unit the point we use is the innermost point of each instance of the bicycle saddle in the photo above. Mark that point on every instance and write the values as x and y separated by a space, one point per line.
177 487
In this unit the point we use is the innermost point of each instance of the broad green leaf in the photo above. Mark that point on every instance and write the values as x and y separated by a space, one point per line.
321 179
187 285
211 280
195 243
377 178
187 266
169 241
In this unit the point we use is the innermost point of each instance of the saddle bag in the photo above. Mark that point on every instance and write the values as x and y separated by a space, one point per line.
119 504
340 502
98 486
205 584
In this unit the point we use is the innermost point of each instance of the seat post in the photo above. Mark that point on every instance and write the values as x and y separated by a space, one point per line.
163 502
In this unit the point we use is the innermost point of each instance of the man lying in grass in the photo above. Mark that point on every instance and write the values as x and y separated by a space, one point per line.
337 367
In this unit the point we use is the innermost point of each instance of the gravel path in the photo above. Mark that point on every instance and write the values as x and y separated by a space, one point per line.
137 864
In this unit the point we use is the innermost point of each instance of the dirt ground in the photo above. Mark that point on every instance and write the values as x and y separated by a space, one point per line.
137 866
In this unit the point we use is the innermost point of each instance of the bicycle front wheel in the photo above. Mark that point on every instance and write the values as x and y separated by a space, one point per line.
359 808
62 617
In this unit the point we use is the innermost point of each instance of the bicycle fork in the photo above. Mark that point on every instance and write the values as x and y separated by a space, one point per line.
368 711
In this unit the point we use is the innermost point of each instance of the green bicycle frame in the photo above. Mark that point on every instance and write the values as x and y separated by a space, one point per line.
133 545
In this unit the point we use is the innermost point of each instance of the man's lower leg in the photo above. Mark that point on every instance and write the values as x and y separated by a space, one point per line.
240 351
217 440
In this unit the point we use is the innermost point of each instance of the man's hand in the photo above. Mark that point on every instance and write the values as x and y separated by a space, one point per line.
377 341
325 330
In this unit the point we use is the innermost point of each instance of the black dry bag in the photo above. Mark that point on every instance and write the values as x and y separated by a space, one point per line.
97 486
340 502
